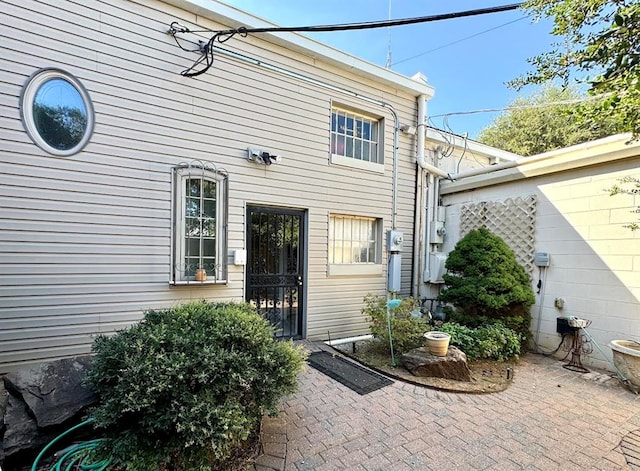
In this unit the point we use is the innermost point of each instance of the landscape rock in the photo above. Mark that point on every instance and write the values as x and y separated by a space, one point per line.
452 366
54 392
4 399
21 429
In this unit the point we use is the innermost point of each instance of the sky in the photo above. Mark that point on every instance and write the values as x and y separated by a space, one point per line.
467 60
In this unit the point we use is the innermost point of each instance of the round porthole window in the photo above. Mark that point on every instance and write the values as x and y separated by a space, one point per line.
57 112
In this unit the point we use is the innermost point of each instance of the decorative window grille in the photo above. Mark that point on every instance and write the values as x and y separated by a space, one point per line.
512 219
354 136
199 246
353 240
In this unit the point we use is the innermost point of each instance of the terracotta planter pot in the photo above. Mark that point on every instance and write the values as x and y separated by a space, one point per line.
437 343
201 274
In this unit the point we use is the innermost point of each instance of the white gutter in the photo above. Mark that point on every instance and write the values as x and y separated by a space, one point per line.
590 153
422 162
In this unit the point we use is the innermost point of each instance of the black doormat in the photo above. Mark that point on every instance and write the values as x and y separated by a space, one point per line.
346 372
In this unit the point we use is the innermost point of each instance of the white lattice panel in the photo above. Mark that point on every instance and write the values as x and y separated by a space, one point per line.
514 220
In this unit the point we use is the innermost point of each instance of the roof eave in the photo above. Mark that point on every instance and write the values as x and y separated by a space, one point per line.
234 17
598 152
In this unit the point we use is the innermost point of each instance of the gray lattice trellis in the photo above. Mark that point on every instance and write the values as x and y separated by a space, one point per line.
514 220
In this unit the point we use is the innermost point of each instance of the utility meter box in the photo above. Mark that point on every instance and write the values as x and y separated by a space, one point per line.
541 259
436 267
395 241
438 232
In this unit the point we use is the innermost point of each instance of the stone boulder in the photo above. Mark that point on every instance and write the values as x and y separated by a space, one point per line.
37 404
452 366
54 392
21 430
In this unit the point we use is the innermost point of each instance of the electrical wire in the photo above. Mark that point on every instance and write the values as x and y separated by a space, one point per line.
479 33
368 24
225 35
524 107
464 151
552 352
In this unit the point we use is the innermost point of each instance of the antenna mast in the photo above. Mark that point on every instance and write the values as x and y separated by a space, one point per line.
388 64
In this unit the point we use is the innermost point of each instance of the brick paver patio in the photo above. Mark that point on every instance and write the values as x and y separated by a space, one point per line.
550 418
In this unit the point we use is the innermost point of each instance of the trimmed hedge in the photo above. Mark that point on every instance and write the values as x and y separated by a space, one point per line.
187 385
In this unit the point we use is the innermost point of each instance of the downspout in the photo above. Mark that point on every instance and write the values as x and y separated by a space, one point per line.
432 169
418 242
416 277
429 210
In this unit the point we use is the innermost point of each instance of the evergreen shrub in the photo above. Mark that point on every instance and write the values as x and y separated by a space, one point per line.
182 389
485 283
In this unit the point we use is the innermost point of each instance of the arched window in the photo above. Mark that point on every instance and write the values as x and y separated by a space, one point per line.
200 224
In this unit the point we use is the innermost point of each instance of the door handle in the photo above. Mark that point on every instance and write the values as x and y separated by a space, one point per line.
299 281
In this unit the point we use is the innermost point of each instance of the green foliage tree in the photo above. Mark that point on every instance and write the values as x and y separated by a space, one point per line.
533 124
60 126
628 186
485 283
183 388
601 46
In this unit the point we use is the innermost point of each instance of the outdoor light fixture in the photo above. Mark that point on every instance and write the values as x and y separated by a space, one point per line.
408 129
262 157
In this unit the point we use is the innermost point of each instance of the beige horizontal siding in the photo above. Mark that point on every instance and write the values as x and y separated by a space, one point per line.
85 239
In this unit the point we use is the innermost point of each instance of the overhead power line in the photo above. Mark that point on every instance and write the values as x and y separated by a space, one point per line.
376 24
573 101
206 60
458 41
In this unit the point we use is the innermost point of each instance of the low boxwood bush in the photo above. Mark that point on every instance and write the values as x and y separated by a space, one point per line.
491 341
406 331
182 389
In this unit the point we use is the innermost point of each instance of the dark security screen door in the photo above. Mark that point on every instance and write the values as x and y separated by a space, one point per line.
275 271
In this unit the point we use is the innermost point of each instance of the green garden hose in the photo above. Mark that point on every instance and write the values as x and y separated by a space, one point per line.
76 456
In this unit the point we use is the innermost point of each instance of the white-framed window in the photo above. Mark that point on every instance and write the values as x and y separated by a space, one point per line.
356 140
355 246
57 112
199 243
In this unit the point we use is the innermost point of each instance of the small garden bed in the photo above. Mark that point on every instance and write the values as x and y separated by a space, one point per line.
487 376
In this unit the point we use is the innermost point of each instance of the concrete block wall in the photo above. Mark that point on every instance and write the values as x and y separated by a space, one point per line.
595 261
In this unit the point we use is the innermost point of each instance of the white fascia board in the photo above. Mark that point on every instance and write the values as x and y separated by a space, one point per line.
493 153
234 17
601 151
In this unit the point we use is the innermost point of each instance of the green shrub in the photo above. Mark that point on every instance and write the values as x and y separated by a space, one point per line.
184 387
406 331
485 283
491 341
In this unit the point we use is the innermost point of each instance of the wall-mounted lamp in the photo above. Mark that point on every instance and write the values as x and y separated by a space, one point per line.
262 157
408 129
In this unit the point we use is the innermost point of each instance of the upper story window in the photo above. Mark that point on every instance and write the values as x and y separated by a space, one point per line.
355 140
354 245
200 222
57 112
